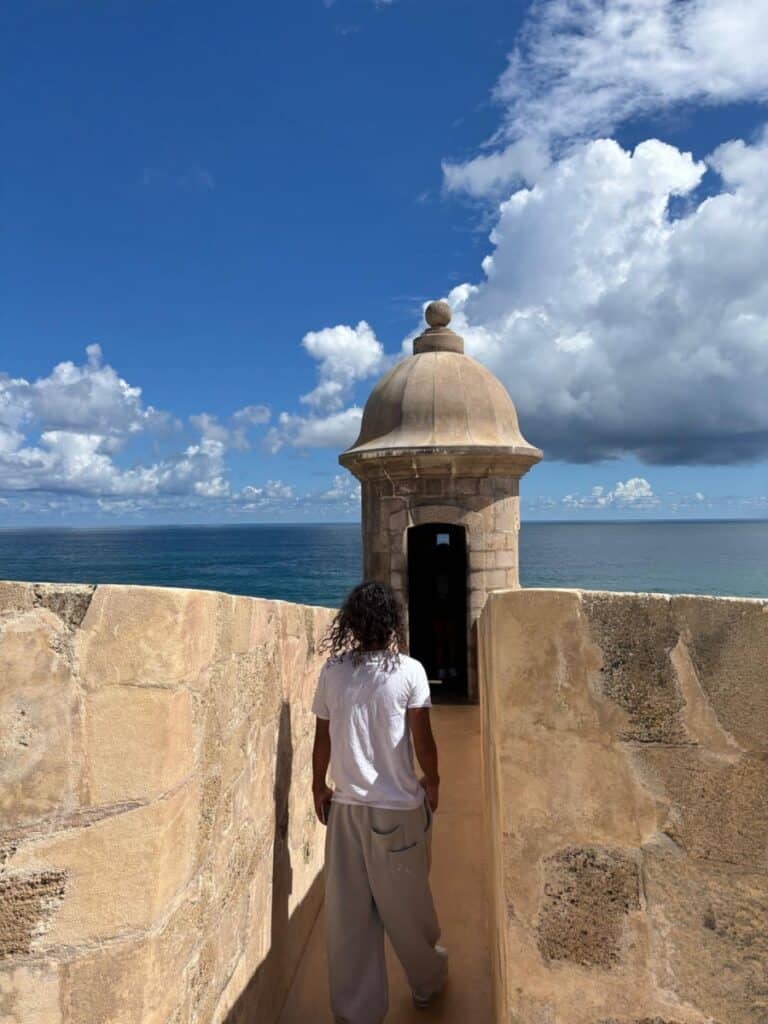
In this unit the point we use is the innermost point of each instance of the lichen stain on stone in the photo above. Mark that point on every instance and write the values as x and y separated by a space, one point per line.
727 642
7 850
70 601
26 903
636 638
700 720
18 730
717 809
711 920
641 1020
588 893
309 628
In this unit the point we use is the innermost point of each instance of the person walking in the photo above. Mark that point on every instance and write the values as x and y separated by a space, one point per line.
372 711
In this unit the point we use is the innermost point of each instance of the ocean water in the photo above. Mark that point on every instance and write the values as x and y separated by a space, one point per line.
317 564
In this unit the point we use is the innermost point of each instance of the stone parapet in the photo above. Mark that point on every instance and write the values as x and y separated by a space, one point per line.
159 852
626 761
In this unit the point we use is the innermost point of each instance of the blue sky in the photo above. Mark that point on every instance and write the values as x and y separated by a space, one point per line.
220 223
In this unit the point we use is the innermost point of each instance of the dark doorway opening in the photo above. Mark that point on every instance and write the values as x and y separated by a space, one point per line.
437 606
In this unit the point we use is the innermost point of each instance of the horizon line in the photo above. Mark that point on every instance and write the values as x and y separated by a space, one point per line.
346 522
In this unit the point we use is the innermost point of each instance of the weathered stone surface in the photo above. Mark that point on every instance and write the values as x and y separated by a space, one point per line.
15 597
645 1020
506 515
505 559
636 639
140 742
172 948
711 924
477 560
717 806
69 601
122 871
29 994
597 797
107 985
27 900
156 800
731 673
40 746
588 892
496 578
609 727
147 636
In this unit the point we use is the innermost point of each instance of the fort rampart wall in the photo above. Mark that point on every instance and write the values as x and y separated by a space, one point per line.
626 759
159 853
159 856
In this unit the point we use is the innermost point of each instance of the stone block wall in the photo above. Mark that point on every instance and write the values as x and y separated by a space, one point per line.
487 506
159 854
626 758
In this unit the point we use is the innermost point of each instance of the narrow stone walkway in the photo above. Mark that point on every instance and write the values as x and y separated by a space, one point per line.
459 886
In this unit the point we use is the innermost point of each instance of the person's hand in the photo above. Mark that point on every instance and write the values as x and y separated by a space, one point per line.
322 797
432 789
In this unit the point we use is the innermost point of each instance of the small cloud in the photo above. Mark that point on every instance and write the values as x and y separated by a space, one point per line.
344 489
272 492
276 489
235 435
337 430
344 355
216 487
634 490
73 433
633 493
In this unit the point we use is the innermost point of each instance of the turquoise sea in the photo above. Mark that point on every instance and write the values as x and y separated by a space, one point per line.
317 564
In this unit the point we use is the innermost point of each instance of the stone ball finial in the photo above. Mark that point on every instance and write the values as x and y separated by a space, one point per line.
438 314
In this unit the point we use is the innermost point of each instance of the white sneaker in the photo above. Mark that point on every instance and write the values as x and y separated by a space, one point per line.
423 999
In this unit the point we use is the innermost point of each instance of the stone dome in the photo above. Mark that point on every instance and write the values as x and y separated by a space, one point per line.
439 399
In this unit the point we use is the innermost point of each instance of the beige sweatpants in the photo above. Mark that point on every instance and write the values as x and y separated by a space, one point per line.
377 880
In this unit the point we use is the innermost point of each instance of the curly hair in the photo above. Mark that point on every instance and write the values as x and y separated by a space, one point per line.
370 619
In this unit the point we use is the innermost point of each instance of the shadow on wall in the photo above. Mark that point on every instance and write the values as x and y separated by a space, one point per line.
265 994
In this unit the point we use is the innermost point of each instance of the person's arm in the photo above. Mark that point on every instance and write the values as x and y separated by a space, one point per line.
321 758
426 752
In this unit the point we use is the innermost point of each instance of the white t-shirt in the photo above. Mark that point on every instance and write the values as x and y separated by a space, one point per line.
371 752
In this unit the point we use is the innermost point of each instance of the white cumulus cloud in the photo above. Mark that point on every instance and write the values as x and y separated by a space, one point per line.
633 493
236 434
90 398
344 489
337 430
74 431
623 300
274 491
620 328
344 355
582 67
625 307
